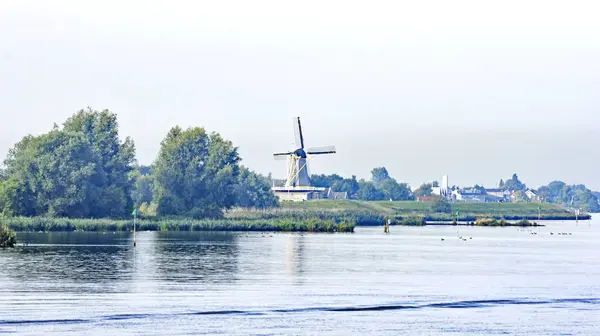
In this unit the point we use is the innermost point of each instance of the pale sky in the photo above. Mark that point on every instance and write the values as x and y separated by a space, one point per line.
473 89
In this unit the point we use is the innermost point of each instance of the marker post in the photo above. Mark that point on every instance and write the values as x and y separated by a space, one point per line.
134 213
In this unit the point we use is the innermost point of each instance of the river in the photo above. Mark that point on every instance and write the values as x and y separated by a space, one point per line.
409 282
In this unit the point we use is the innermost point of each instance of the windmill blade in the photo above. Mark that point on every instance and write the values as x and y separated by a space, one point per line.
281 156
298 133
321 150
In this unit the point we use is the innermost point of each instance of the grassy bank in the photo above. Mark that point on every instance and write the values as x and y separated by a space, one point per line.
35 224
376 213
315 216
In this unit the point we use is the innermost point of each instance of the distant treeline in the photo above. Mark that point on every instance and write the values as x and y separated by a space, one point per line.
381 186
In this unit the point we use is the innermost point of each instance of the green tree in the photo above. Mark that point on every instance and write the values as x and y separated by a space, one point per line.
81 170
143 188
16 198
350 186
50 175
577 196
325 181
254 191
442 206
424 190
368 192
514 184
395 191
112 187
196 174
520 196
379 175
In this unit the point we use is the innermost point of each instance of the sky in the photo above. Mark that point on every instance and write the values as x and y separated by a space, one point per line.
477 90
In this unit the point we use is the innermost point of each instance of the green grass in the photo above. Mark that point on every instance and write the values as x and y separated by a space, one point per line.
376 213
35 224
424 207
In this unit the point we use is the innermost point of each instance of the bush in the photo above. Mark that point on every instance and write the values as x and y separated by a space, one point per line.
8 238
490 222
413 220
442 206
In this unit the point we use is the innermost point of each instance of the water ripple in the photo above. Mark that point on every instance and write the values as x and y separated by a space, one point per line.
445 305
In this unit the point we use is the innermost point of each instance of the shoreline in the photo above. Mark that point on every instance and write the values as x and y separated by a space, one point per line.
318 216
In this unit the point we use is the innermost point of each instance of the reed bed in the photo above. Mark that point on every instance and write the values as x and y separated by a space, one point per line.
45 224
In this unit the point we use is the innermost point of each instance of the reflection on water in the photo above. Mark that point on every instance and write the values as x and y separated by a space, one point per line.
81 257
209 257
75 257
294 256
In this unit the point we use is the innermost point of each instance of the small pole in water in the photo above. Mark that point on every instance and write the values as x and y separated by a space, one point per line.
134 218
457 214
539 212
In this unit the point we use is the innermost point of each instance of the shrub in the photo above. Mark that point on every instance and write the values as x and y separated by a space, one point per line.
413 220
8 238
441 205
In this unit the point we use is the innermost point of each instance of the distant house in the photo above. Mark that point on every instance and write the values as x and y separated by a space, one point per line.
298 194
532 195
481 195
469 195
336 195
500 194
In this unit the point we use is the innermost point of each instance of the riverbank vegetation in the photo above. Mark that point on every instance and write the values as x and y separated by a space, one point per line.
43 224
502 222
377 211
8 237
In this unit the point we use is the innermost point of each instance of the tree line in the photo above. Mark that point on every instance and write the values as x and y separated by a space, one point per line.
84 170
381 186
556 192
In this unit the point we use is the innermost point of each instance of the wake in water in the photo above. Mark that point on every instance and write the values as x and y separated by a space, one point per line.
593 302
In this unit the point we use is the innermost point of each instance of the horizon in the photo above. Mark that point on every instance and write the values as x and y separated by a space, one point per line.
463 91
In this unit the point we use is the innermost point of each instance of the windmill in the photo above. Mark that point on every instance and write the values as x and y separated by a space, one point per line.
297 173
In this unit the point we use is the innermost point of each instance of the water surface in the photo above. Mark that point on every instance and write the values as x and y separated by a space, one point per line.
411 282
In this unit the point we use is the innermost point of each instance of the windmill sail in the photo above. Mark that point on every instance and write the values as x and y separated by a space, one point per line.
321 150
298 133
281 156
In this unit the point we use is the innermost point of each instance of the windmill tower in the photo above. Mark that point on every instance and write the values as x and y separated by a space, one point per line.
297 172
